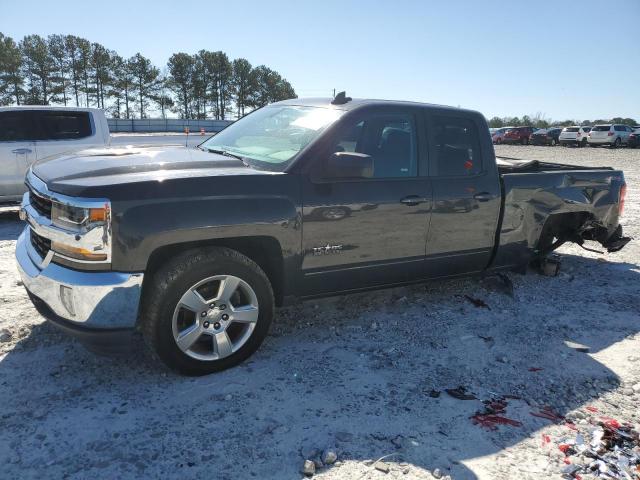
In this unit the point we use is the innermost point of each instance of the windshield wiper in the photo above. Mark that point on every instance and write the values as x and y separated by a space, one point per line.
228 154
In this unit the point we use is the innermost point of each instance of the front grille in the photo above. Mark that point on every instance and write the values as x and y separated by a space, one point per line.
42 245
40 204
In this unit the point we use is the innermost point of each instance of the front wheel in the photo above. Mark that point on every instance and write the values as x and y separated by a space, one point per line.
207 310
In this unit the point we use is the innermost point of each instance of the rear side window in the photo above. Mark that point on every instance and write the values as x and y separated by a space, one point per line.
619 128
601 128
52 125
14 126
457 146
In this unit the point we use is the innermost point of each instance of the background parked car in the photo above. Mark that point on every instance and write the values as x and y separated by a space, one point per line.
29 133
498 135
546 136
518 135
634 139
612 135
574 135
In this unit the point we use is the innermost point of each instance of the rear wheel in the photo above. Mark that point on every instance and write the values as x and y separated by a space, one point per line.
583 143
207 310
617 143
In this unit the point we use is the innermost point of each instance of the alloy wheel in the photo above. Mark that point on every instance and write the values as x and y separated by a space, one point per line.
215 317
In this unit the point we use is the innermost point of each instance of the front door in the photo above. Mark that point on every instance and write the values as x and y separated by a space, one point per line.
365 232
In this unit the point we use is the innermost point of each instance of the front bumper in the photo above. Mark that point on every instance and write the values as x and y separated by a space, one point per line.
89 301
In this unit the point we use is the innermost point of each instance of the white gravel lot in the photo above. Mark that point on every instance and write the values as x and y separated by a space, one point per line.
350 373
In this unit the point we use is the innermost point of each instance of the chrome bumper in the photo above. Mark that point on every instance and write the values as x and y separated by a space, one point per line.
99 300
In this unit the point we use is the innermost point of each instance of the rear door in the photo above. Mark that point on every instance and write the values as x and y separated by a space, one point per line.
466 194
63 131
17 152
371 231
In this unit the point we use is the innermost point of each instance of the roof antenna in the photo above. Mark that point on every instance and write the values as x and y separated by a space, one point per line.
340 99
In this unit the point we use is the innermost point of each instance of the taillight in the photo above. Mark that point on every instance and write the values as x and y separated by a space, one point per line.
610 134
623 193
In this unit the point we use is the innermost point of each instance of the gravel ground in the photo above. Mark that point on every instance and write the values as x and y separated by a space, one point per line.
362 375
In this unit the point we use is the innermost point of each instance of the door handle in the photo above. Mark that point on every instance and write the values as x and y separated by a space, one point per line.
484 196
413 200
21 151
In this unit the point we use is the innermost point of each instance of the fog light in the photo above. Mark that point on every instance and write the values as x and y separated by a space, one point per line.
66 296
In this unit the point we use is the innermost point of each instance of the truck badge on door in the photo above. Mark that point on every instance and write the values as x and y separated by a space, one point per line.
327 250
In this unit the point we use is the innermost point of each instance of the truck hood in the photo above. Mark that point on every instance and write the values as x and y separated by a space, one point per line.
113 166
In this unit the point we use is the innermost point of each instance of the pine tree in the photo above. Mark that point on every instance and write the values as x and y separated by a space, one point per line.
11 79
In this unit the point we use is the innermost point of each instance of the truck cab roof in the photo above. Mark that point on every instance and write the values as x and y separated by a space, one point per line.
356 103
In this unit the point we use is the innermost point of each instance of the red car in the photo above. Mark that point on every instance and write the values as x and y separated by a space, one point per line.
518 135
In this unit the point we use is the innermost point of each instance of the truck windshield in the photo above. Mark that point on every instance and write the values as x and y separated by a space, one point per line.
272 136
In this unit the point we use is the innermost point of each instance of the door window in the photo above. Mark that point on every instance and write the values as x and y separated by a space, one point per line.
14 126
53 125
389 139
457 146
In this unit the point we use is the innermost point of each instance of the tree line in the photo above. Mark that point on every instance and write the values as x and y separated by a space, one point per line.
72 71
538 121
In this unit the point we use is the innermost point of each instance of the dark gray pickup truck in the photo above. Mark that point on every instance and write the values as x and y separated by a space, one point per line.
196 247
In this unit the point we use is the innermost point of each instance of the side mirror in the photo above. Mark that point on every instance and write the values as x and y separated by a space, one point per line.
349 165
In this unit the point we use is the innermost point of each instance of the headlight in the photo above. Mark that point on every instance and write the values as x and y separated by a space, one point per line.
90 225
78 219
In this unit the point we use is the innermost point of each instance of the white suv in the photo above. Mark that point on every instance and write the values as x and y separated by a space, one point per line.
574 136
612 135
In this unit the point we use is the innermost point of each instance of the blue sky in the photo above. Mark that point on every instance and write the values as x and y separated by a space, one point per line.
565 59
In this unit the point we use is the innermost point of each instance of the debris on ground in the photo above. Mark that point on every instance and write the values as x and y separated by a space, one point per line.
548 413
578 347
494 415
382 467
5 336
610 450
477 302
329 457
309 468
460 393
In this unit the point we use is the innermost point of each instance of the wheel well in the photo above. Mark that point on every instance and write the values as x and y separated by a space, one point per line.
561 226
265 251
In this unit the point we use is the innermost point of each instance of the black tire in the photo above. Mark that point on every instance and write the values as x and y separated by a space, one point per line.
616 143
176 277
553 142
583 143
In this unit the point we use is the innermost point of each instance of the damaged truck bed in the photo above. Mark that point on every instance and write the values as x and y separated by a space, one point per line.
548 204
